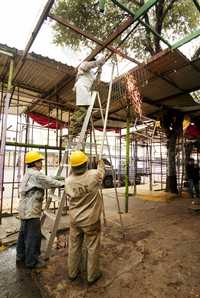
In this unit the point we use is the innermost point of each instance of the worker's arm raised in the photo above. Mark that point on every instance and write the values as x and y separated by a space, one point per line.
87 65
100 170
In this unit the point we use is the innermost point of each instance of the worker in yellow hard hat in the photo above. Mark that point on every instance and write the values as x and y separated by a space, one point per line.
85 205
30 207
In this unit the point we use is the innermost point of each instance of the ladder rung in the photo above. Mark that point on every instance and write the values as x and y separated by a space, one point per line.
54 198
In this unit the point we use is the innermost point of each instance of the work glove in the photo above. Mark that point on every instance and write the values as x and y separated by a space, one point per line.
100 59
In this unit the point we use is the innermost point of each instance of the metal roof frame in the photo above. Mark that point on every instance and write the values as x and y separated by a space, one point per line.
134 16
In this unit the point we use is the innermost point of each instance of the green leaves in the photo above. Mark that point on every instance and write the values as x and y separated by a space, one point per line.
174 18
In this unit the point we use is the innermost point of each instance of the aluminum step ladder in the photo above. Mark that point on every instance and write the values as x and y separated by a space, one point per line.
51 236
81 140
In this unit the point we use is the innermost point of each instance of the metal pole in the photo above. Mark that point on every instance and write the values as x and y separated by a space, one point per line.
96 152
161 162
127 157
113 172
20 155
45 160
135 166
48 126
57 126
150 165
3 134
90 149
141 12
107 110
120 158
26 137
13 181
1 106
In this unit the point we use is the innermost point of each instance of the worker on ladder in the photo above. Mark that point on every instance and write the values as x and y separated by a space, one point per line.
30 207
85 206
83 87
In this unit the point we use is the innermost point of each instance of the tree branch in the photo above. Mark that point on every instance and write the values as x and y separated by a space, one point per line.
148 43
159 23
168 8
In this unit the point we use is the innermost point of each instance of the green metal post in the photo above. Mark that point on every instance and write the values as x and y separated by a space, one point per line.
186 39
141 12
127 157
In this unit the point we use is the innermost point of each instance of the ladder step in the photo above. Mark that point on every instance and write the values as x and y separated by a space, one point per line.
54 198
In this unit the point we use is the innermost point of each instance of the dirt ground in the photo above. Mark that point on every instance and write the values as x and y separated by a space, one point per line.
159 255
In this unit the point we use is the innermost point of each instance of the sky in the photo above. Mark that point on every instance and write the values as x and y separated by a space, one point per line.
18 19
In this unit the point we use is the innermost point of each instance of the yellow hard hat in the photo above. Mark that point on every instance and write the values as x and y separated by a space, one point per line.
77 158
32 156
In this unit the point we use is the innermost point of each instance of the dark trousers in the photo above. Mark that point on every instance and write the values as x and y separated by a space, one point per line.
29 241
193 184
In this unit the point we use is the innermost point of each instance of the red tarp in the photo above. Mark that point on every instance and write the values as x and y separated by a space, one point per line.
192 132
46 121
53 123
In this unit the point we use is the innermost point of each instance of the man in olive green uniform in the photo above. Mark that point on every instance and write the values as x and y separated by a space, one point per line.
85 206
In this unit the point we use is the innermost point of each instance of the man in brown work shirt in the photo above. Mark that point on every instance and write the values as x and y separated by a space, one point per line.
85 206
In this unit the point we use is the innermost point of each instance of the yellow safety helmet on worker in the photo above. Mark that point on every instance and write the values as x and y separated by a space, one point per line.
77 158
33 156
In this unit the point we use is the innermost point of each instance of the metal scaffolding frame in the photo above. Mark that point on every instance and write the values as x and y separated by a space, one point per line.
7 97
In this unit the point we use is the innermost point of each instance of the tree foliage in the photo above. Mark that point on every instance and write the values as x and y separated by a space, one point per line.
170 18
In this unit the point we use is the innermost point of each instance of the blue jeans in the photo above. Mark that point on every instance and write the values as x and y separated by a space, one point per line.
29 241
193 185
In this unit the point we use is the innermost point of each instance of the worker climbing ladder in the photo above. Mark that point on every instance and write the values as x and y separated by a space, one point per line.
81 140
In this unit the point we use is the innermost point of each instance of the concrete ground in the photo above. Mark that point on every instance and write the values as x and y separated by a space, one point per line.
157 254
15 282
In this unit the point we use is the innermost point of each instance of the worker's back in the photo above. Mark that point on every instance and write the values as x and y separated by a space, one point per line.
85 203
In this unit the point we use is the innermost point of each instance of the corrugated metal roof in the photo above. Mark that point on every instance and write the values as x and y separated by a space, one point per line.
164 81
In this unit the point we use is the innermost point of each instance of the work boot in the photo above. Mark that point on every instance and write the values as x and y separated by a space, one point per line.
40 264
97 277
19 261
73 278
